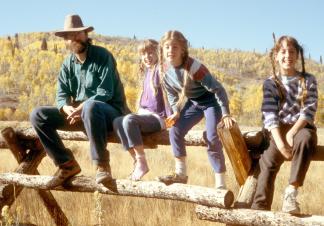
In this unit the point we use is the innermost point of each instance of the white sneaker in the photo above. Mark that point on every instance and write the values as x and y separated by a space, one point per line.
290 204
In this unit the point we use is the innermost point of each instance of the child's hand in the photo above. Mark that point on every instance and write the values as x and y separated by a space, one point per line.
290 138
169 121
228 121
286 152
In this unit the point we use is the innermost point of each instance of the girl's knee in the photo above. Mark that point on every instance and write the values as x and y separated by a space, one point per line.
129 121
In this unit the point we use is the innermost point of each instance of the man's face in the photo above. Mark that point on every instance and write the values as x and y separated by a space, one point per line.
76 41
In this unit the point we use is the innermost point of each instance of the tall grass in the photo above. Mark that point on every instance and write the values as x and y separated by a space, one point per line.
82 208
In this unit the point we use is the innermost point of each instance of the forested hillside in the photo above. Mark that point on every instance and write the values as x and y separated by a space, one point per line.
29 65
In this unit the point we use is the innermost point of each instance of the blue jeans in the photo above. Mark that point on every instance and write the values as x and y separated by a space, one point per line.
190 115
96 122
129 128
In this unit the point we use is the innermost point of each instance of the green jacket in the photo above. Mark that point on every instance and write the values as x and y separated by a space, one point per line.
97 79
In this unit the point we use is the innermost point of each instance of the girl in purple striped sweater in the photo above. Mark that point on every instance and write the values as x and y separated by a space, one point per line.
288 108
150 115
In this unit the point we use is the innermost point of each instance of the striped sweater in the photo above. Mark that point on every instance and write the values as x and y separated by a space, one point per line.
291 109
199 83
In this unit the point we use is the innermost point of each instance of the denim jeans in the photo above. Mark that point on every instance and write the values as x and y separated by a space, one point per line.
190 115
96 122
129 128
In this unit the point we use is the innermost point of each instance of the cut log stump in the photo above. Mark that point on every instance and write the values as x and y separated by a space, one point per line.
236 150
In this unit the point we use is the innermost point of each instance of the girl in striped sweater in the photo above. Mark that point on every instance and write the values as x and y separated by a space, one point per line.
193 93
288 108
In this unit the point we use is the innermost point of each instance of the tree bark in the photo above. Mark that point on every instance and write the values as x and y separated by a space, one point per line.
151 140
256 217
246 194
150 189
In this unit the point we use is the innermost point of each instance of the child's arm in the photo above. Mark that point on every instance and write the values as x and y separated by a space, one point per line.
213 86
270 111
301 123
282 146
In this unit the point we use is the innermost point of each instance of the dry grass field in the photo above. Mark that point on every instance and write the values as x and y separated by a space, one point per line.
80 208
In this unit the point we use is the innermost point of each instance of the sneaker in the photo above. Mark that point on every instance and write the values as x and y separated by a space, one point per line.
290 204
66 171
103 175
173 178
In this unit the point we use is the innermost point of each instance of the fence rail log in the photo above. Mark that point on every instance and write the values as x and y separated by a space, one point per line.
193 138
150 189
256 217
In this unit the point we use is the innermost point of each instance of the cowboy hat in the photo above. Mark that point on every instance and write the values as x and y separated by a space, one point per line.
72 23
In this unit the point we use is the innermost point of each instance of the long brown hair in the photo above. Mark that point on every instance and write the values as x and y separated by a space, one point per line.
145 46
183 42
300 51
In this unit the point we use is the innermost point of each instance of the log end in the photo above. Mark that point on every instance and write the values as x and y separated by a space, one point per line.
228 199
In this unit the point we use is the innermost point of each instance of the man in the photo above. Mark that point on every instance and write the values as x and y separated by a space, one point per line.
89 97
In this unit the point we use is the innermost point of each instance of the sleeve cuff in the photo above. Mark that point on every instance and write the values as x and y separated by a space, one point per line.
225 111
307 119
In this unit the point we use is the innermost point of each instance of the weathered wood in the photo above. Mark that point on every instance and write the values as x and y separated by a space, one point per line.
256 217
236 150
11 140
28 165
193 138
245 197
150 189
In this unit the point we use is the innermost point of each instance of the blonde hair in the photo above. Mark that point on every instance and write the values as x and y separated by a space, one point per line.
183 42
177 36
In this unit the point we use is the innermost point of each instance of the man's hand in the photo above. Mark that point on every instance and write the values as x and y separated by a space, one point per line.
68 110
73 114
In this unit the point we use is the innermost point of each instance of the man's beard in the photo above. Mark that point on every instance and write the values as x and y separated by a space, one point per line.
78 47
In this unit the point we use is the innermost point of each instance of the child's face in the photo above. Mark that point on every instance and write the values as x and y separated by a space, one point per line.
172 52
149 58
287 57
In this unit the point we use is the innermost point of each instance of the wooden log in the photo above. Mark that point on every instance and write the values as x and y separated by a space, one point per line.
246 194
193 138
151 140
15 147
256 217
150 189
28 165
236 150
